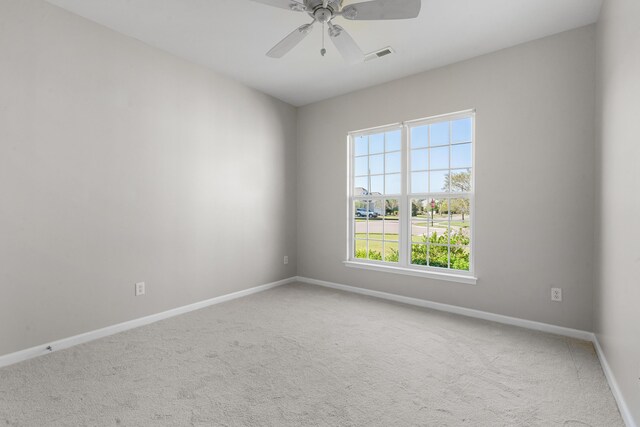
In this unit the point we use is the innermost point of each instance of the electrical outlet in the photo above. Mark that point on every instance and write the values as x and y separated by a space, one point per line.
556 294
286 259
140 289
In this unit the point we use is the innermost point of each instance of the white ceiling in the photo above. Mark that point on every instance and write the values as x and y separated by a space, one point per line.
232 37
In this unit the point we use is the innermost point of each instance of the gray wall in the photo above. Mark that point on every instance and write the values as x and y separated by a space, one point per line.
534 169
617 295
120 163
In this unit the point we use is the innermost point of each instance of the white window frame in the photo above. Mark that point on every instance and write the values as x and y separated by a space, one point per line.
404 266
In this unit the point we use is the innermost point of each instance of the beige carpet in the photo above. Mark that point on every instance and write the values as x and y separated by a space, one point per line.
302 355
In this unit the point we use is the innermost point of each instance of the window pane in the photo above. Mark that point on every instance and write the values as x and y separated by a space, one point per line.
419 182
361 166
392 140
361 211
419 230
419 254
420 208
392 209
438 232
391 253
420 214
361 249
377 185
460 180
439 256
438 221
439 134
439 158
362 146
391 230
377 207
461 130
376 143
438 183
360 225
460 214
376 229
376 164
392 163
419 160
392 184
429 223
461 156
391 221
420 137
434 207
375 250
361 186
460 258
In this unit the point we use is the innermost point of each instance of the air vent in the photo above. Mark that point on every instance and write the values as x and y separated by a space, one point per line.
379 53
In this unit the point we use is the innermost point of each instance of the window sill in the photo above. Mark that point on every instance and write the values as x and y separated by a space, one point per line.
449 277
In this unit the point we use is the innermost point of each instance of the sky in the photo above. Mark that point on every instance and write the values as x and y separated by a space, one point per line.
434 149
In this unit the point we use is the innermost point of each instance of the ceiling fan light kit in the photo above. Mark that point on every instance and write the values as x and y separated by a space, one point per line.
324 11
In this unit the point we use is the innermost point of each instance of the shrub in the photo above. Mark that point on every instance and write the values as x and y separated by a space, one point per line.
374 255
435 248
377 256
439 255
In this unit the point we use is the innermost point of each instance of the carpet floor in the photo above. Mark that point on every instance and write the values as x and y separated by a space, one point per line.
301 355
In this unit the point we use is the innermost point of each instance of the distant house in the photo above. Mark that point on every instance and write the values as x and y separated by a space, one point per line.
361 191
370 205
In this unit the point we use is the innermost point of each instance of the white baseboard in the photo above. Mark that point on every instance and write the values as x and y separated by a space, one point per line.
613 385
41 350
529 324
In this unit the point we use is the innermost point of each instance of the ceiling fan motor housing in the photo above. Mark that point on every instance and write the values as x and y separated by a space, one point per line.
320 13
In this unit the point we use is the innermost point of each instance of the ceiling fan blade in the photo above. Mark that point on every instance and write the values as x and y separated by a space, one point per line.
345 44
284 4
382 9
289 42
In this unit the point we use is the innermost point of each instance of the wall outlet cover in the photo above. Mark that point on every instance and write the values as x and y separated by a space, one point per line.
556 294
140 289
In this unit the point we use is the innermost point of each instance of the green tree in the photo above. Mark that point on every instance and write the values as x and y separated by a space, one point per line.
391 207
416 208
460 183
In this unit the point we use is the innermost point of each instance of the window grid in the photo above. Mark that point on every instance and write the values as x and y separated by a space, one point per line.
380 248
385 169
430 229
405 239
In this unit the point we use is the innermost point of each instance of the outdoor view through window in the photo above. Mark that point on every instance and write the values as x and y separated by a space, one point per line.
411 201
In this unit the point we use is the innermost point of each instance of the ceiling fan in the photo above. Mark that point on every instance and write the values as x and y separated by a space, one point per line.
324 11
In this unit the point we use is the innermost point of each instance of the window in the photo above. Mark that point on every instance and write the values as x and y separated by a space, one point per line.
412 196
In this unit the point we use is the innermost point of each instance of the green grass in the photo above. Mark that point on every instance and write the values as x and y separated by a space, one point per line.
417 239
435 224
375 245
378 236
460 224
379 218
